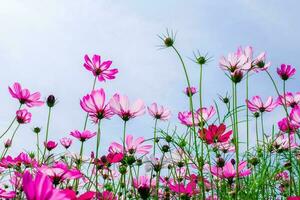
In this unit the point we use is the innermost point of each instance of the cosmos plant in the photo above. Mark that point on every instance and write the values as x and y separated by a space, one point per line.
221 149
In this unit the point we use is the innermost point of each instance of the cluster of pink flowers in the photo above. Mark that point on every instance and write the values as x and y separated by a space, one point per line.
204 162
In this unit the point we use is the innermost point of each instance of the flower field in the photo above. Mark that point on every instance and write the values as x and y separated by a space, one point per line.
219 155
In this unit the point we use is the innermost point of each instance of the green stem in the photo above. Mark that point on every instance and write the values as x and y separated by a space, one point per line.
236 136
289 140
11 139
47 132
87 115
10 125
193 119
256 132
247 112
154 142
38 146
124 137
98 139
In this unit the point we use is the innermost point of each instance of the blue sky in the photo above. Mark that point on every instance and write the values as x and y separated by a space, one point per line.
42 44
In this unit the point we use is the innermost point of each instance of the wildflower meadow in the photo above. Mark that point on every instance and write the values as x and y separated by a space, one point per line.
224 151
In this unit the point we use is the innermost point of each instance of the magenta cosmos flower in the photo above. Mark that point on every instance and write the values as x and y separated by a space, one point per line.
50 145
229 172
7 195
121 106
24 96
41 188
132 146
190 189
159 112
286 71
60 172
94 105
100 70
287 125
83 136
190 91
295 115
257 105
201 116
290 99
66 142
143 185
23 116
215 134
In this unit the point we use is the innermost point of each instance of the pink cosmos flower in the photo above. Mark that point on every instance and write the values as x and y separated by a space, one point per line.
89 195
204 114
295 115
50 145
143 181
143 185
94 104
23 116
83 136
132 146
190 189
159 112
7 195
66 142
186 118
290 99
24 96
41 188
236 61
114 157
190 91
215 134
100 70
26 160
260 63
16 180
257 105
121 106
294 198
106 195
287 126
8 162
229 172
282 176
200 116
60 172
225 147
286 71
281 142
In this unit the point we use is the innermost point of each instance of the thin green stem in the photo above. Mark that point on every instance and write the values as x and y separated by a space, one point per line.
247 112
193 119
154 138
87 115
10 125
47 132
11 139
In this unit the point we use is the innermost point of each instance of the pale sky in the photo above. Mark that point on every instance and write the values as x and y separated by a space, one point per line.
42 44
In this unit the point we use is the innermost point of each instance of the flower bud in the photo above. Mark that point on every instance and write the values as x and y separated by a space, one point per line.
37 130
168 42
7 143
51 101
165 148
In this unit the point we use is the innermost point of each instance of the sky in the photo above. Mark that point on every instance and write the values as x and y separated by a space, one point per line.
42 45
